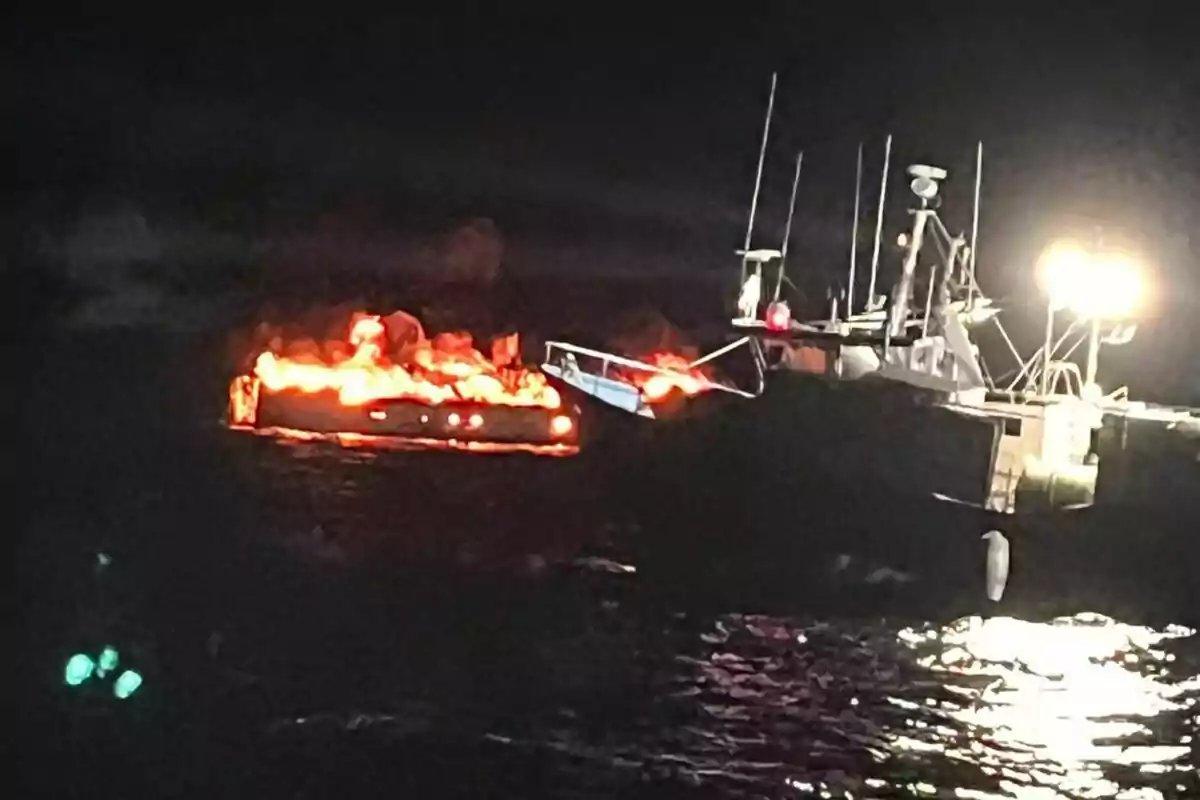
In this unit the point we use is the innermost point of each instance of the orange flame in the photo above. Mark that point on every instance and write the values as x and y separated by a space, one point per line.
445 370
679 376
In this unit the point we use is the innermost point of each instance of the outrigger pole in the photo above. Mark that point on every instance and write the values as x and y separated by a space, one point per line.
887 157
971 285
854 233
762 154
787 229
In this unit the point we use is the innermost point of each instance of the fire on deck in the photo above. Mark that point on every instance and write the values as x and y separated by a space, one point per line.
393 387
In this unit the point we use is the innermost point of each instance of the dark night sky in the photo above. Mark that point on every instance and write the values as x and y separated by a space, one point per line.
601 139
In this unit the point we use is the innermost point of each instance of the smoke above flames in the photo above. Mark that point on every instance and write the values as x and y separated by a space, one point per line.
131 269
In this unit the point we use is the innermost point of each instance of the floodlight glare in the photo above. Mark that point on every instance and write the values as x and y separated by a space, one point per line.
1100 285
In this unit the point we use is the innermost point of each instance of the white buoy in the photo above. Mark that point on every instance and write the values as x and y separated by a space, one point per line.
997 564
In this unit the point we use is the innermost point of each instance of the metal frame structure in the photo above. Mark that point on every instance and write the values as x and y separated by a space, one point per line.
953 299
562 363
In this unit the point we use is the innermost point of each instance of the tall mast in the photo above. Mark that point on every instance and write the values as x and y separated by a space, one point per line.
787 229
854 232
975 224
762 154
887 156
925 187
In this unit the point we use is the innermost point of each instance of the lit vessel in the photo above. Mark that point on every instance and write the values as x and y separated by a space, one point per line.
879 436
440 393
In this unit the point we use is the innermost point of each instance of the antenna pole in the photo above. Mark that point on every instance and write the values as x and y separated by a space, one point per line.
854 232
762 154
975 223
787 229
887 157
1047 350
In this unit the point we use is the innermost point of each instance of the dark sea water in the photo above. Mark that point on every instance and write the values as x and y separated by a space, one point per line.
322 621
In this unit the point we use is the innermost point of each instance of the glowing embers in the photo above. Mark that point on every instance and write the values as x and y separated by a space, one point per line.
442 391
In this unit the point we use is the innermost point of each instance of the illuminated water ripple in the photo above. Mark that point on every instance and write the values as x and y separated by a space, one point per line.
742 706
1080 707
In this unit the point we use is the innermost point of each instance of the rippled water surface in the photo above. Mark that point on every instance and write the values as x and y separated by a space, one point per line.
318 621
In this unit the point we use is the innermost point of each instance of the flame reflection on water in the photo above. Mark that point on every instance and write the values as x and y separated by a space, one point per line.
409 443
1062 706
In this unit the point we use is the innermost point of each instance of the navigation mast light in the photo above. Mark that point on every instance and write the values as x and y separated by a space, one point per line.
779 316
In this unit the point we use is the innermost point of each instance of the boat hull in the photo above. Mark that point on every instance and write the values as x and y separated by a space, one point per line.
464 425
801 500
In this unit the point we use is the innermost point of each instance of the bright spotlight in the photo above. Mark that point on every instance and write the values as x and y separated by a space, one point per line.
1062 268
1116 289
1094 285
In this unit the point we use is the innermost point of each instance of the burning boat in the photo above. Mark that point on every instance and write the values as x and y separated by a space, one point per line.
388 382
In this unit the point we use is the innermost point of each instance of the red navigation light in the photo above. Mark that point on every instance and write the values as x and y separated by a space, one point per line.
779 316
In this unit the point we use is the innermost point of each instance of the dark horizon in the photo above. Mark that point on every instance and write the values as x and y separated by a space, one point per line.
598 145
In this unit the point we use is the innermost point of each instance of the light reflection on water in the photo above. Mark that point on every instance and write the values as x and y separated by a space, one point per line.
1064 707
1080 707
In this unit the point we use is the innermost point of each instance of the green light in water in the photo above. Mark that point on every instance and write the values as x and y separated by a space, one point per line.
127 684
79 669
109 658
